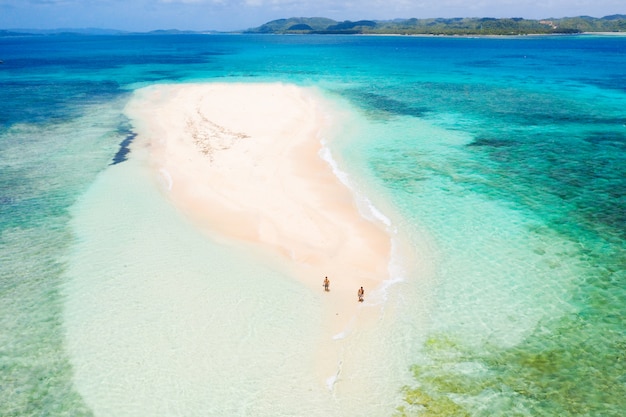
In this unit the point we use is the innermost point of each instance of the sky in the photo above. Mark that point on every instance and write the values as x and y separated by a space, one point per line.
230 15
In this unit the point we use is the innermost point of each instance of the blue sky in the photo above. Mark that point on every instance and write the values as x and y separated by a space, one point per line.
143 15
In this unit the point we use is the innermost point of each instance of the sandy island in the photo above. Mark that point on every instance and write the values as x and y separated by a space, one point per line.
243 160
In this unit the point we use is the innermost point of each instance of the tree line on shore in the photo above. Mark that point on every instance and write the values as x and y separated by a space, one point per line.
443 26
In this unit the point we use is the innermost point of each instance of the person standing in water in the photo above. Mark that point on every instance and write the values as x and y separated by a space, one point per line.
326 284
361 293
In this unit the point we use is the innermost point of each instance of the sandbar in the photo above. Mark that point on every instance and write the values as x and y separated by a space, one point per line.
243 161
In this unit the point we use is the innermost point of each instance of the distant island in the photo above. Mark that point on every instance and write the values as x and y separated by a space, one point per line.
441 26
459 26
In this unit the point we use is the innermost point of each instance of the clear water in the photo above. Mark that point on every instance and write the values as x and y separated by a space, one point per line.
502 161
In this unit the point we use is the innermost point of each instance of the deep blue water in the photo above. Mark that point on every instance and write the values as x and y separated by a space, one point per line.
536 125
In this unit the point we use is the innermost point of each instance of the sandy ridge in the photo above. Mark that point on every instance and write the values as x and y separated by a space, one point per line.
243 160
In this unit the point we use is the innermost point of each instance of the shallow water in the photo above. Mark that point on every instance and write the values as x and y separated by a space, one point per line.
161 318
500 160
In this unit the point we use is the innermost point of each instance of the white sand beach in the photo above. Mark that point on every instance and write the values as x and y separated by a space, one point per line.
196 284
244 161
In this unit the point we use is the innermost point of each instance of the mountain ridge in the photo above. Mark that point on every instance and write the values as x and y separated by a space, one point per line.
615 23
445 26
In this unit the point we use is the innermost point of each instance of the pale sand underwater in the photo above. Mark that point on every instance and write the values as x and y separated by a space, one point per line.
196 284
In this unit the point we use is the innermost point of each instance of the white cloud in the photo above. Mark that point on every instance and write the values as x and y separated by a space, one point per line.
190 1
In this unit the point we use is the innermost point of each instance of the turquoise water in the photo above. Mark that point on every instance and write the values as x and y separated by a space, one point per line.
502 160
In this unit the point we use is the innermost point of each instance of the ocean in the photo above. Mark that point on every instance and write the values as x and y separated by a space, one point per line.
502 161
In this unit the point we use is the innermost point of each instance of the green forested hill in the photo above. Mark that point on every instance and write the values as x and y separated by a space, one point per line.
441 26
